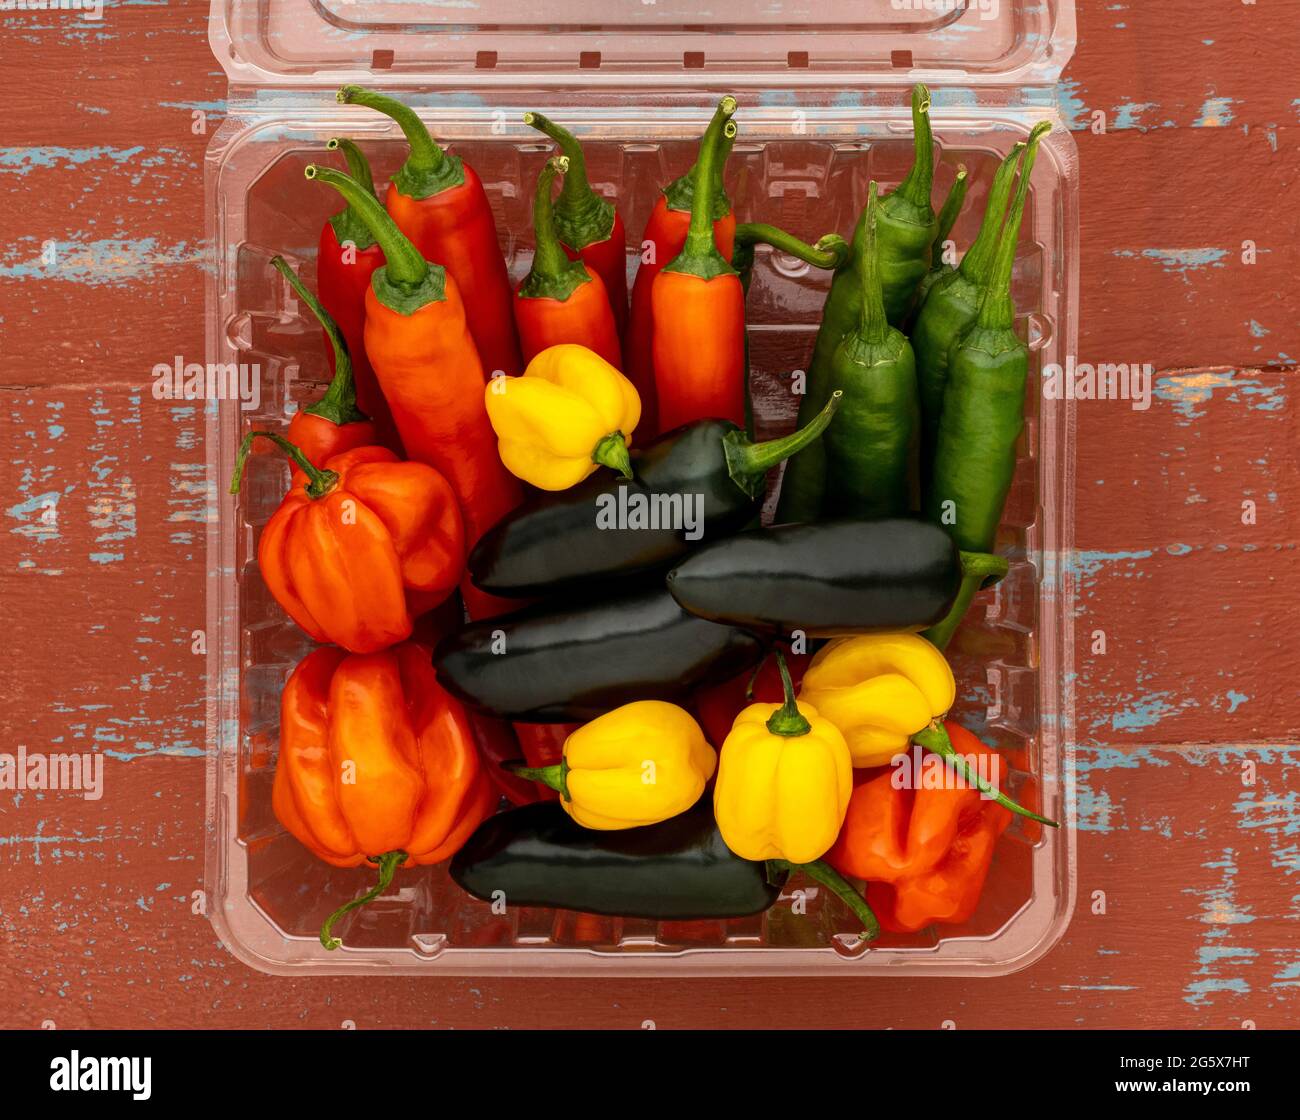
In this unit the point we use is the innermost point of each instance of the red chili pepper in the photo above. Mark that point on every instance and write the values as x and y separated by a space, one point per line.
717 706
663 239
561 300
589 226
345 261
698 309
438 201
333 424
426 362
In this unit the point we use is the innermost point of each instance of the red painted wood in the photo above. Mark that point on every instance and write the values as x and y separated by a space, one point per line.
1199 871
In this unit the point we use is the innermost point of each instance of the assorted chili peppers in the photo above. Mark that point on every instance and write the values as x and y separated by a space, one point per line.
659 659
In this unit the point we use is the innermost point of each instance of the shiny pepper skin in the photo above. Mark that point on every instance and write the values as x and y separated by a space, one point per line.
879 690
637 765
355 565
381 720
782 795
570 412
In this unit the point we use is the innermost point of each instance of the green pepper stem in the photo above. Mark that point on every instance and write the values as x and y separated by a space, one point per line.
977 262
997 312
978 570
320 482
428 169
822 872
699 255
934 738
388 864
680 193
916 187
404 265
552 275
348 224
611 452
830 252
556 776
873 326
582 217
749 462
787 721
339 404
948 214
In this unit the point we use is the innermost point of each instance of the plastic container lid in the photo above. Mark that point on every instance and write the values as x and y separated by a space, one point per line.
319 43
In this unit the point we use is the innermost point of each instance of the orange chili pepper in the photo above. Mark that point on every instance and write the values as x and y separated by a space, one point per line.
377 764
359 549
422 352
561 300
663 239
924 852
698 311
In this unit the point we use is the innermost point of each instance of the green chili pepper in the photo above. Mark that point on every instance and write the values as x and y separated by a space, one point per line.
954 301
870 463
905 229
948 216
983 407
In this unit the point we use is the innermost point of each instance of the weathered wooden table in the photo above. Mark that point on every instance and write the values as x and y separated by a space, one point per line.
1201 872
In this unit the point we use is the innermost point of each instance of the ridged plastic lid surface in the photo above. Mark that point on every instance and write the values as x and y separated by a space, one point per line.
669 43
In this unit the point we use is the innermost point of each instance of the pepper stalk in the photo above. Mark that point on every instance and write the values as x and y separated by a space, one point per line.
582 217
428 170
319 481
552 275
406 282
338 405
347 224
388 864
748 462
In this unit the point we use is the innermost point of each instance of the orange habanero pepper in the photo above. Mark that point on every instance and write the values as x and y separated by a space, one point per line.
415 791
924 852
356 551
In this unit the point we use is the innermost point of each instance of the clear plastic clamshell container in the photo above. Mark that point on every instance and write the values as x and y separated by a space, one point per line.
823 87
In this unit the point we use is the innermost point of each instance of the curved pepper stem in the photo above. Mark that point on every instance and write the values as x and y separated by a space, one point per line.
916 187
556 776
347 223
428 170
935 739
997 312
339 404
978 260
749 462
388 864
680 193
320 482
822 872
978 571
830 252
949 213
699 255
612 452
582 217
873 326
787 721
406 281
552 275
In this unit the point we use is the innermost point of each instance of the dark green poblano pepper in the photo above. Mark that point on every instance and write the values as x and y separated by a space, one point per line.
905 228
871 460
981 421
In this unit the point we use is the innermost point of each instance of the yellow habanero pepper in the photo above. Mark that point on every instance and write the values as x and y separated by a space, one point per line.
784 782
639 764
879 690
885 692
567 413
